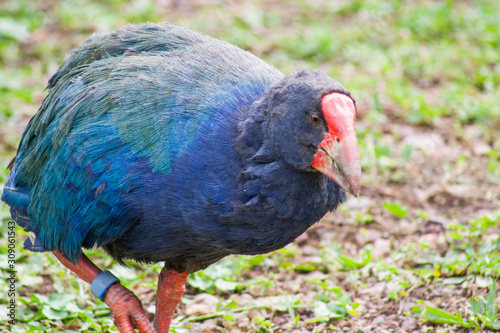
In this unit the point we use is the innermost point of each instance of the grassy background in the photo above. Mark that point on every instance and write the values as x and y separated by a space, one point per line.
417 252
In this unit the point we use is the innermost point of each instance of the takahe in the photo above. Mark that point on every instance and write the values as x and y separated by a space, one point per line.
162 144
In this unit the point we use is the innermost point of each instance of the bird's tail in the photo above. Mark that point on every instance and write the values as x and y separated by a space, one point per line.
17 198
33 244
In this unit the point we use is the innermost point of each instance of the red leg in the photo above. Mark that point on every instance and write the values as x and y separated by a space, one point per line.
126 308
171 287
84 268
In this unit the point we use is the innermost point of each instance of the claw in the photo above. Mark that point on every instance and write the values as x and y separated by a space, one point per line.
127 310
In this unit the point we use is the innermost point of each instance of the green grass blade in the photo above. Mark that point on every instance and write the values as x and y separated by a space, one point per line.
490 303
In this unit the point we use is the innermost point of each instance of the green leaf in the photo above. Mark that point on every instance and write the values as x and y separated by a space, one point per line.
17 329
24 315
60 301
41 299
454 280
224 285
231 305
352 263
296 321
317 320
474 305
306 267
441 313
343 298
202 283
321 310
493 325
229 317
88 318
337 311
50 313
125 273
416 309
255 260
483 282
439 316
35 327
30 280
490 303
14 29
395 209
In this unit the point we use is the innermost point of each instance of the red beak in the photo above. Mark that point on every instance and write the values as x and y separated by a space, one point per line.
338 155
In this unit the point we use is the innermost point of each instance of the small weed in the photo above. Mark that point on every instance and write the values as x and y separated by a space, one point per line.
482 313
350 263
395 209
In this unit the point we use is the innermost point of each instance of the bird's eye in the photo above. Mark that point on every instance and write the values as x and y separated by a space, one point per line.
315 119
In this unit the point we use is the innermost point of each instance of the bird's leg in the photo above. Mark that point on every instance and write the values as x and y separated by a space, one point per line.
171 287
125 307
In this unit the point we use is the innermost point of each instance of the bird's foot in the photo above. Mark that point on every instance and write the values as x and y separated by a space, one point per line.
127 310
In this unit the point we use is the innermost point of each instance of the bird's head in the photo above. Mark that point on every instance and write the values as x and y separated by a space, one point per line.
311 121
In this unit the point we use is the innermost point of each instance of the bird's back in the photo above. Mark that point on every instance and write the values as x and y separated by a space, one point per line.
136 97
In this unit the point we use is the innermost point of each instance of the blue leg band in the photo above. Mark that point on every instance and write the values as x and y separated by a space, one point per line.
101 283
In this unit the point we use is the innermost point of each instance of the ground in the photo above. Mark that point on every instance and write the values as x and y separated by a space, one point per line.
416 252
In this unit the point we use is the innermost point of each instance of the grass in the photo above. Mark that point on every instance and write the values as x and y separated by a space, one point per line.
481 315
426 78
